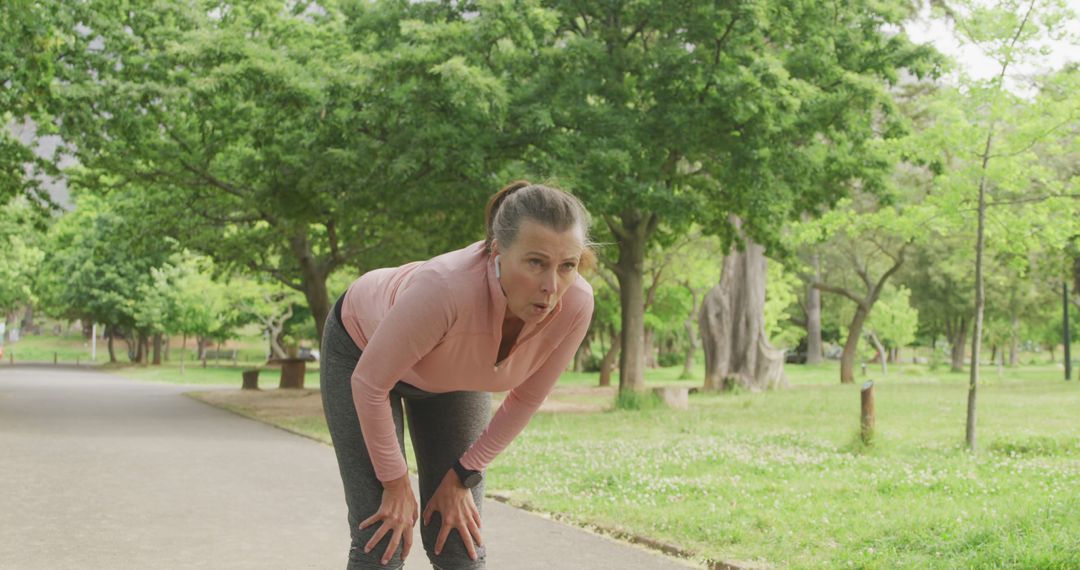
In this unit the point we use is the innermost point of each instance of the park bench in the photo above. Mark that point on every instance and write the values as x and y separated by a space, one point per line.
216 355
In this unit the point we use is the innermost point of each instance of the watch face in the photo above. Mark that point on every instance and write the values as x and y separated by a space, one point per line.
472 480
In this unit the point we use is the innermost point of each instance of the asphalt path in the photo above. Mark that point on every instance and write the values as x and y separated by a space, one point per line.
99 471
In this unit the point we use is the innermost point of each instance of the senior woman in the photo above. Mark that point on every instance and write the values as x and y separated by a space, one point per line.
435 337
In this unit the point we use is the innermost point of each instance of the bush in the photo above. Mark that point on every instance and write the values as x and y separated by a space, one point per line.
631 400
592 363
670 359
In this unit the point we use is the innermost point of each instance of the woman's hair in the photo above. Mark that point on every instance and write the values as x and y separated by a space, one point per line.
554 208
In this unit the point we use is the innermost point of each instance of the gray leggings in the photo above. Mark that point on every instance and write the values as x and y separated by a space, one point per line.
442 427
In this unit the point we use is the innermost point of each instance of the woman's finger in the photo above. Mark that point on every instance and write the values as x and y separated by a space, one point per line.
444 531
474 530
407 543
379 534
427 513
475 517
395 539
467 539
370 520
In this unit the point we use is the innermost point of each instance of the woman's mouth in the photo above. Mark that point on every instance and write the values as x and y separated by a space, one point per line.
539 308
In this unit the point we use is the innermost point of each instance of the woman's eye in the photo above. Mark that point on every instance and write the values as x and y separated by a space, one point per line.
568 266
535 262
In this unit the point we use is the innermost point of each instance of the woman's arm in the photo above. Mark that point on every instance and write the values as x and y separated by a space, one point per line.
422 313
523 401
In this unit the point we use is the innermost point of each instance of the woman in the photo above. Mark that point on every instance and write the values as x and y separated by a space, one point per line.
435 337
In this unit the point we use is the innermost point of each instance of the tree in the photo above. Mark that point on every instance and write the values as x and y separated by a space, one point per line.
20 237
288 139
868 243
1005 169
94 268
737 349
659 116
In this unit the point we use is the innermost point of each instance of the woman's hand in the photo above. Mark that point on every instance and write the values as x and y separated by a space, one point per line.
398 515
455 503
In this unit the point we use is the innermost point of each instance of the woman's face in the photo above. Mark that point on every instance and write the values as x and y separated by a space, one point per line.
537 269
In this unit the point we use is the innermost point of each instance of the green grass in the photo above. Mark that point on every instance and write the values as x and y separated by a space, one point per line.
195 374
68 348
782 476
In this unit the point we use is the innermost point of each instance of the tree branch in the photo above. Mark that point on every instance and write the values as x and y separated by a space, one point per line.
837 290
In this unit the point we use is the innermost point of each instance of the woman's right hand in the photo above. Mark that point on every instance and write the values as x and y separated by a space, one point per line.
398 514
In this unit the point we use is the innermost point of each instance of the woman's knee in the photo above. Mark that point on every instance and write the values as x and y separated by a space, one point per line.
360 560
454 555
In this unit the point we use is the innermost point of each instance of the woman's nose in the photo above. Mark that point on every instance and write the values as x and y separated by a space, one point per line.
547 285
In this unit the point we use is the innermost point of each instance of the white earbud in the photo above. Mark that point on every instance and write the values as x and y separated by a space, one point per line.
497 273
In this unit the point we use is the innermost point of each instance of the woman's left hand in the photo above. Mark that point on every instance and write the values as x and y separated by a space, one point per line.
455 503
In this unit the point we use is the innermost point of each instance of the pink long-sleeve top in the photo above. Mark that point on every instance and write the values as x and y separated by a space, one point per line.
437 325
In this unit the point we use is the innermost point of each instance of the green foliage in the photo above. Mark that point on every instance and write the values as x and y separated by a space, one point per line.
21 257
184 299
894 321
780 294
28 54
96 265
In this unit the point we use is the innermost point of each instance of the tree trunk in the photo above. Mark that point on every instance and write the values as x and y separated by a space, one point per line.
980 301
168 345
958 341
112 349
313 281
157 349
691 333
632 233
880 353
140 348
851 345
1014 339
9 324
200 348
993 353
607 364
737 352
28 320
650 348
814 353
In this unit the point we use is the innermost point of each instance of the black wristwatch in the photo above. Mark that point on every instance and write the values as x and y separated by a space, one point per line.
468 477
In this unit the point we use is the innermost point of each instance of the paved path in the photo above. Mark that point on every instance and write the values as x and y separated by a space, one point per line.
98 471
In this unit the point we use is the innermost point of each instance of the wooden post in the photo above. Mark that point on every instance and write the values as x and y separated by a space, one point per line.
866 422
251 379
55 358
292 373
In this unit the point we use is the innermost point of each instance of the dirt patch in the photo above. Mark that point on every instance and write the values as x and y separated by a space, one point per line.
293 407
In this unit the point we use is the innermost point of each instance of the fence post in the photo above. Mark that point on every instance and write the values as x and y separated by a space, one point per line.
866 422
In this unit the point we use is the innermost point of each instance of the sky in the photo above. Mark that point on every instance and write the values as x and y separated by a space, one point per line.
970 60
